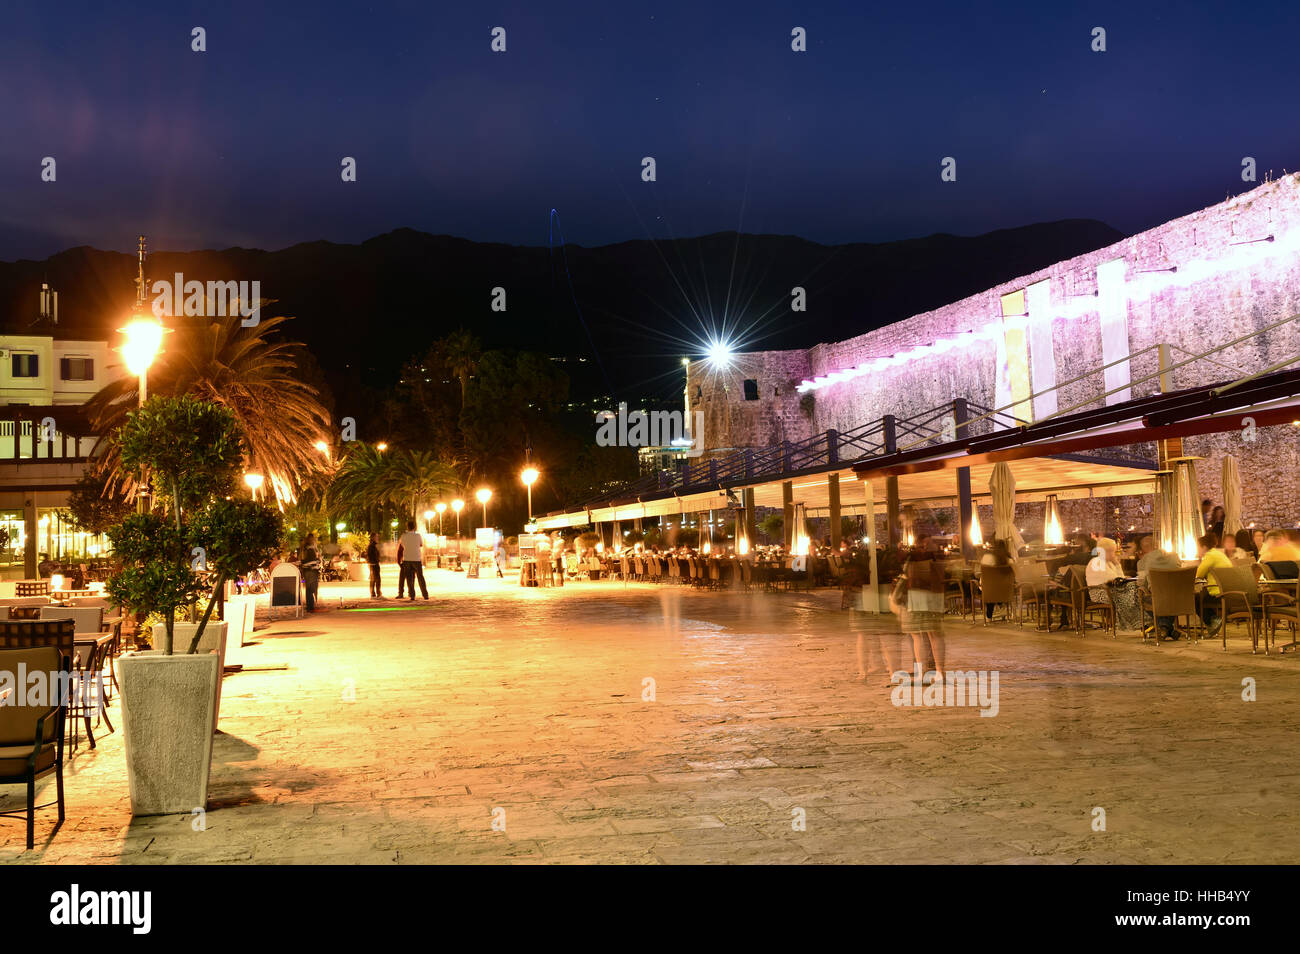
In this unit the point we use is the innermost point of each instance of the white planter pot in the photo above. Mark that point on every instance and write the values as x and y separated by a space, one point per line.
213 641
168 704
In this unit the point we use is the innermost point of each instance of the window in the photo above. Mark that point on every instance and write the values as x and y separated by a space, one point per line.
751 389
26 365
77 369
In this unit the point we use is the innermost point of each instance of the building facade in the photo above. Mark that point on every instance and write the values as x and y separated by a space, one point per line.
46 441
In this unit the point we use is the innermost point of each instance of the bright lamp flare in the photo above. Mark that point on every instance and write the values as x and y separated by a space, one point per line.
143 339
483 495
457 505
440 507
529 476
720 353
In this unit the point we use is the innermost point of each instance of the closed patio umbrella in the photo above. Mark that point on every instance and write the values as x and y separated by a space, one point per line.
1002 486
1231 496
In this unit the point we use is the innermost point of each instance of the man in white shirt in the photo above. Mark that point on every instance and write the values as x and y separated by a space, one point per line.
412 544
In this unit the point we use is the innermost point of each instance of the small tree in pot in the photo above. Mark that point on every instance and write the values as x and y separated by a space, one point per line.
192 452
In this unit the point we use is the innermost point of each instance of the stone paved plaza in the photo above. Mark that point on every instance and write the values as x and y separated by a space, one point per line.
399 733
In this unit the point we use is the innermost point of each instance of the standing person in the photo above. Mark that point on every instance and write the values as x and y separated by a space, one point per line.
999 555
412 558
1206 509
372 558
499 557
310 567
1217 516
924 618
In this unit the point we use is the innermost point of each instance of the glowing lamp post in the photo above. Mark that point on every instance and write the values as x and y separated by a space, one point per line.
428 521
528 477
483 496
143 341
441 508
254 482
457 505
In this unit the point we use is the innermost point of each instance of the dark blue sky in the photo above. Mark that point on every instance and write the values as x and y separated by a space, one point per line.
241 145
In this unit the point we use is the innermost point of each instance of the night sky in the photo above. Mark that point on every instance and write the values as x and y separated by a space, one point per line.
241 145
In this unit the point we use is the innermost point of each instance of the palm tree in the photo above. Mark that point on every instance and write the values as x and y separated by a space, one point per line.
358 484
249 370
418 476
461 352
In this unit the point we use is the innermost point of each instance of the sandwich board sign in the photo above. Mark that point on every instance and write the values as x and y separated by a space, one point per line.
286 588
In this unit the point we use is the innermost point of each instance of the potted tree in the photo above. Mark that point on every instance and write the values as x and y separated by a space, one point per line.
191 451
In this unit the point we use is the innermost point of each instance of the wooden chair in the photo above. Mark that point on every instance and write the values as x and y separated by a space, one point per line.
1281 600
31 737
1031 590
1171 593
1068 593
996 585
1240 601
32 588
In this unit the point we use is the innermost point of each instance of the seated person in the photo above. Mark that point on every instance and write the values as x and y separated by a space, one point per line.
1152 558
1277 546
1106 585
1212 558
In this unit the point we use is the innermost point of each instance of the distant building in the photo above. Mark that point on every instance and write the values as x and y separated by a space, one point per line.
46 375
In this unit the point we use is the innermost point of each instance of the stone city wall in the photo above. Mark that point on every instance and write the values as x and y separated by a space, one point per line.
1194 283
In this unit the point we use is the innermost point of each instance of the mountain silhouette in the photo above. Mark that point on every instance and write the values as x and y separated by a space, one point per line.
364 309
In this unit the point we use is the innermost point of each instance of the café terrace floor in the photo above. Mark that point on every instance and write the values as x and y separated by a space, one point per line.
528 703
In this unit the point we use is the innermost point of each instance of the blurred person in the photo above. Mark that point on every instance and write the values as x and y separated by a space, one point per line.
998 555
1246 544
1217 516
1257 537
310 567
1277 548
1238 556
1205 513
923 621
499 556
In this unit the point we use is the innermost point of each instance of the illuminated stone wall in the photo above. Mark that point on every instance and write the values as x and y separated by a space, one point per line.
1195 282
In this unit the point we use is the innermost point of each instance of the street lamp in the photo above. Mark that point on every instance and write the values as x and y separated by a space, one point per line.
457 505
441 508
484 495
254 482
528 476
428 519
143 341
